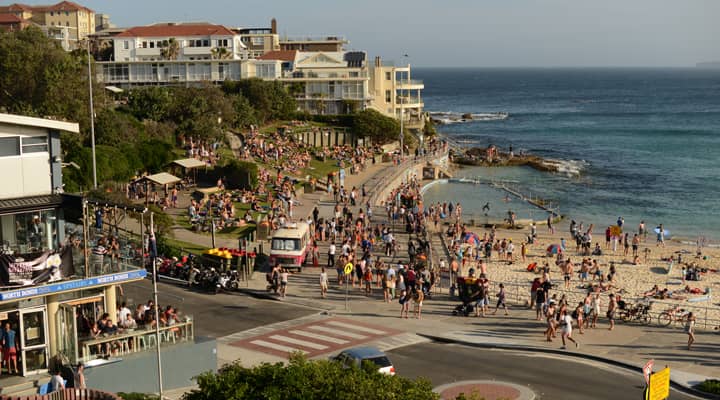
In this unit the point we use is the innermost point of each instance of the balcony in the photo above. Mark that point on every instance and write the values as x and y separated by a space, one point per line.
303 75
410 84
407 102
147 51
306 39
195 51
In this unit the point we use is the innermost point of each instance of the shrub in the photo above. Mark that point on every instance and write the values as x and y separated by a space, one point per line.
710 386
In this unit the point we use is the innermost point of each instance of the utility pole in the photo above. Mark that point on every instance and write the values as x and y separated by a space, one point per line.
92 118
157 311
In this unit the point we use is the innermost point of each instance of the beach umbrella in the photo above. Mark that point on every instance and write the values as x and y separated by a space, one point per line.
554 249
471 238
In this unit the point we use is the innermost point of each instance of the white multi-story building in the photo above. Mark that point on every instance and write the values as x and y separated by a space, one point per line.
171 53
396 94
181 42
322 82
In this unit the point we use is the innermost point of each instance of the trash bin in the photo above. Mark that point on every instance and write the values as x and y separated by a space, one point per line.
263 230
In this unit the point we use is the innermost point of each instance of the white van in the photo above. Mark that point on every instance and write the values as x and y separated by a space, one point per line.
290 246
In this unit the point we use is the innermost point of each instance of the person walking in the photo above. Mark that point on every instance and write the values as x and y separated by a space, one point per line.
79 377
283 282
404 304
331 255
323 283
566 329
418 300
9 341
612 306
501 300
690 329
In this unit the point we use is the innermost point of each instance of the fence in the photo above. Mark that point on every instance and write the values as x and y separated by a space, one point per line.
68 394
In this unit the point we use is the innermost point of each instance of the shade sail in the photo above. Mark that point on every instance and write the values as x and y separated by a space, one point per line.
189 163
162 178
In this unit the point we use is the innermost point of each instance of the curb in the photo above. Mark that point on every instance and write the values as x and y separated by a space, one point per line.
509 346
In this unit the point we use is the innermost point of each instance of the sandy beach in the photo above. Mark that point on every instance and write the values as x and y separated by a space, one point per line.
631 281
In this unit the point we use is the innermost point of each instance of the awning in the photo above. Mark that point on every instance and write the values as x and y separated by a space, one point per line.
32 203
190 163
162 178
114 89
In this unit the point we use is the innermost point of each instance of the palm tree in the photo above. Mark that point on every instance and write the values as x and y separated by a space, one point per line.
220 53
170 49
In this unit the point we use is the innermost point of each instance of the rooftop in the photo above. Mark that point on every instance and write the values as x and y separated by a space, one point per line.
39 122
62 6
10 19
175 29
282 55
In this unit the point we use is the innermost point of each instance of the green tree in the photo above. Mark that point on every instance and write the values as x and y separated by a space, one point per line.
113 127
201 111
170 49
152 102
304 379
244 112
270 99
376 126
39 78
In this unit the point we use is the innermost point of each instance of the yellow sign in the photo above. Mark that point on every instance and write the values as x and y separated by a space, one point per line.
348 268
659 387
615 230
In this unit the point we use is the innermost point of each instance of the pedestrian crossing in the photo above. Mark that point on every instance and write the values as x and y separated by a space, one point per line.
324 336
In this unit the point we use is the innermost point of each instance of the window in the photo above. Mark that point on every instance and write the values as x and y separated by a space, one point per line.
126 45
9 146
222 43
388 76
286 244
388 96
144 45
51 13
67 13
152 45
67 23
206 43
34 144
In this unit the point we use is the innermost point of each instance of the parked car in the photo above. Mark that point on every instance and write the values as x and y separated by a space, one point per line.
357 355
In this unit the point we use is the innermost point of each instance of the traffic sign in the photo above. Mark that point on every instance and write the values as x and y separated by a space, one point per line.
647 370
348 268
659 387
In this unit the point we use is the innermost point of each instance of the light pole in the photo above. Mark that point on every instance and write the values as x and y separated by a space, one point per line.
92 118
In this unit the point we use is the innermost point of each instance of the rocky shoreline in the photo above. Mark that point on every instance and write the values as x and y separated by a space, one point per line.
478 157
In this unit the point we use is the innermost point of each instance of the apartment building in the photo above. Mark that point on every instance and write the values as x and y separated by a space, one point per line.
66 21
314 43
171 53
396 94
322 82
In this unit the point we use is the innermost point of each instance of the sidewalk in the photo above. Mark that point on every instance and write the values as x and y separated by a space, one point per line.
627 346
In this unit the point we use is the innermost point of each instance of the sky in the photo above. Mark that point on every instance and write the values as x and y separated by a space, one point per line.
469 33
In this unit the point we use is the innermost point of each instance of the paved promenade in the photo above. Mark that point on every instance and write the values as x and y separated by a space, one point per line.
344 321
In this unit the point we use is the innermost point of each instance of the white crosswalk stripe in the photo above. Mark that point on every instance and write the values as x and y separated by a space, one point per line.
298 342
355 327
333 331
276 346
318 336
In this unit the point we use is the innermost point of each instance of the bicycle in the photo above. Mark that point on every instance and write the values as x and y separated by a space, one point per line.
673 314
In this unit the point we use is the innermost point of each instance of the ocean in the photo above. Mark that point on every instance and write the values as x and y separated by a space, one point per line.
643 144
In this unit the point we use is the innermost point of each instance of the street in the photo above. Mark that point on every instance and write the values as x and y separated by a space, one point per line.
215 315
549 376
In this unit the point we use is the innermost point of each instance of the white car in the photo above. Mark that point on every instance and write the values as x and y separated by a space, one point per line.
357 355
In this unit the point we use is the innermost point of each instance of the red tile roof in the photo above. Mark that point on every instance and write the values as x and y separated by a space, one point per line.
170 29
282 55
15 7
10 19
62 6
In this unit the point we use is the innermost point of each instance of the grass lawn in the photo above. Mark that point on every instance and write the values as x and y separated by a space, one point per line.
185 246
320 169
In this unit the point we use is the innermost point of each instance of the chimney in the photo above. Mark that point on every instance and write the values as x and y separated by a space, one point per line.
273 26
377 61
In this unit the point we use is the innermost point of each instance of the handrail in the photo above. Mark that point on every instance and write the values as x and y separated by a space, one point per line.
67 394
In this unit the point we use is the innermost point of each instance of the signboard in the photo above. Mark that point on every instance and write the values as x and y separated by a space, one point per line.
647 370
348 269
616 231
659 386
72 285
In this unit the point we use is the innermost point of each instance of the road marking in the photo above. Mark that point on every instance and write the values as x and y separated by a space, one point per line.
337 332
355 327
319 337
298 342
276 346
